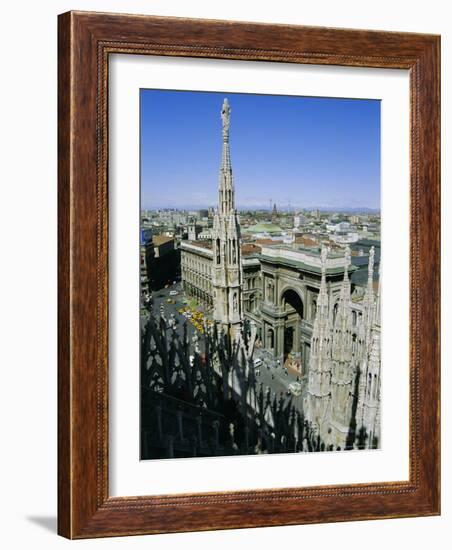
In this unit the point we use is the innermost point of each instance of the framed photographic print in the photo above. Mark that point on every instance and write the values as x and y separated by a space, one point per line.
248 275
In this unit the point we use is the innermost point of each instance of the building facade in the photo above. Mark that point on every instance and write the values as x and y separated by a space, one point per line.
196 271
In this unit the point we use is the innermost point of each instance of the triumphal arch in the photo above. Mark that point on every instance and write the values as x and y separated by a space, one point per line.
290 282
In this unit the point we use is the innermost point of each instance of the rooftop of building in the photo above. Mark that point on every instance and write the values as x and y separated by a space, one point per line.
360 275
247 248
307 259
297 256
306 242
250 248
161 239
265 241
263 228
207 244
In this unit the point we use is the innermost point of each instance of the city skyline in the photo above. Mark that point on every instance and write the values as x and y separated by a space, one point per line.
293 209
325 151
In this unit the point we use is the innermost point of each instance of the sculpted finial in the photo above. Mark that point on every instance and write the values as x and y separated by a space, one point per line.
371 261
323 256
226 117
347 256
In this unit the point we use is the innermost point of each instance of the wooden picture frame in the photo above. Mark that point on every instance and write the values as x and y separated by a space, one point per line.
85 42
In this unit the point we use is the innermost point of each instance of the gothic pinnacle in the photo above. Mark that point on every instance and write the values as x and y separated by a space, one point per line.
226 118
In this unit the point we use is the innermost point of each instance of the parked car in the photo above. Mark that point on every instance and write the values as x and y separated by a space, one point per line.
257 362
173 293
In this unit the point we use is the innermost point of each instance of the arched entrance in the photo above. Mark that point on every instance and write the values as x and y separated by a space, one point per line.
292 305
288 340
291 300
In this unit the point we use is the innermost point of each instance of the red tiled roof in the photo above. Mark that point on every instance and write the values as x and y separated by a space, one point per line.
306 241
265 241
250 248
202 244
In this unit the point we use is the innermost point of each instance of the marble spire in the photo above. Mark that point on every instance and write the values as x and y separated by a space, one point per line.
342 334
226 202
227 269
317 399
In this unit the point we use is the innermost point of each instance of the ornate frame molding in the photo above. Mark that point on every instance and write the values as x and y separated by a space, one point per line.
85 42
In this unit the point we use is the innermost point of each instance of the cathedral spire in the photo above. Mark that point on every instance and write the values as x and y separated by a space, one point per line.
369 298
368 410
321 323
342 336
377 313
370 270
226 241
226 184
317 400
321 333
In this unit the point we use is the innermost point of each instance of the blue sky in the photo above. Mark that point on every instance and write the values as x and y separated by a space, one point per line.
309 151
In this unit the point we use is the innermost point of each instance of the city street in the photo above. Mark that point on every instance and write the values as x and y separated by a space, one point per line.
271 374
177 302
274 376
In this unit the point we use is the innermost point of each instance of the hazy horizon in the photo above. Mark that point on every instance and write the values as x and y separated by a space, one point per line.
262 208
